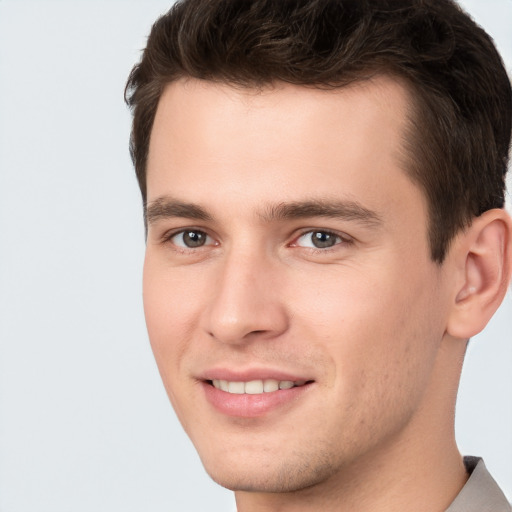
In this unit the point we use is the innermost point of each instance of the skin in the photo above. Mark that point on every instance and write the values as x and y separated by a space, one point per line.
368 321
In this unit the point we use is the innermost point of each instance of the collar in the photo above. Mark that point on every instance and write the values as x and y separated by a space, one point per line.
481 493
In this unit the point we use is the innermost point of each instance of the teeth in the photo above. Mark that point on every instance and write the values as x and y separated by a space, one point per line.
238 388
270 385
255 387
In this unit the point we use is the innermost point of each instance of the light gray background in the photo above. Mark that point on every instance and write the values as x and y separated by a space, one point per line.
84 421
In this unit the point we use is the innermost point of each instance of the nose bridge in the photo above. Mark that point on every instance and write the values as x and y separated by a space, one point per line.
244 302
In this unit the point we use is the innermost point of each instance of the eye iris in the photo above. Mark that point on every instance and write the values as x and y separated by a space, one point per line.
321 239
194 238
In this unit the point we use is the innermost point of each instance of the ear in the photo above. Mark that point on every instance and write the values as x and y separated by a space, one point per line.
484 260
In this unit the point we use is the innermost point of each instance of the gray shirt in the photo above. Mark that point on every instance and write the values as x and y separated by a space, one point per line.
481 493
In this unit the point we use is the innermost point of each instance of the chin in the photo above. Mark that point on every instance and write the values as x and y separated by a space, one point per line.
270 476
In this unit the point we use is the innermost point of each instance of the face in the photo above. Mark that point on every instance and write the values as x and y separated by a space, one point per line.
291 304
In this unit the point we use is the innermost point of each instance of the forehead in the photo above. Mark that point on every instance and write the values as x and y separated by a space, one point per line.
278 142
208 105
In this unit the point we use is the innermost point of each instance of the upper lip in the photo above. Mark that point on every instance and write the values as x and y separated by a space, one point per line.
247 375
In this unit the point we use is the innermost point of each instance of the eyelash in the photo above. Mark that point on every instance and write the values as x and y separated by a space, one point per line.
167 238
342 240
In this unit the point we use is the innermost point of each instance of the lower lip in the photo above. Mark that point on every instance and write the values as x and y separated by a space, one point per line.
252 406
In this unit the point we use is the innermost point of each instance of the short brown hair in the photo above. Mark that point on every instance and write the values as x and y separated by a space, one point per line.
460 124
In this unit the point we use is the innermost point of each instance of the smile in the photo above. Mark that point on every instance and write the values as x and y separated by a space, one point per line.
255 387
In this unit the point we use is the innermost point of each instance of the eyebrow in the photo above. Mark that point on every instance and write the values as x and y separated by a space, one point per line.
168 207
344 209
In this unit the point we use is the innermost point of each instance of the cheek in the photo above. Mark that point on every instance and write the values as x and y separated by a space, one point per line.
380 328
170 315
170 318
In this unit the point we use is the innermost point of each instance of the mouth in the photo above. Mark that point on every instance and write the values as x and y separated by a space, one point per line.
254 392
255 387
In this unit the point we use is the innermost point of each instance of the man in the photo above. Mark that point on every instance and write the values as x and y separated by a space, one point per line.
323 186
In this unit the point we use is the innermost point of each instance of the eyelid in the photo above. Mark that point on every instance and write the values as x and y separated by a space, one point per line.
167 238
344 239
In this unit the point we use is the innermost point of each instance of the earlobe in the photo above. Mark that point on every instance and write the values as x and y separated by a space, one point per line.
485 252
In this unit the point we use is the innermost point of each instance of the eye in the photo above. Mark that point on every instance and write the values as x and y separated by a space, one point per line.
191 239
319 240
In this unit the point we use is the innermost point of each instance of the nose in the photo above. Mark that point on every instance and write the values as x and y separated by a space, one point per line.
245 303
